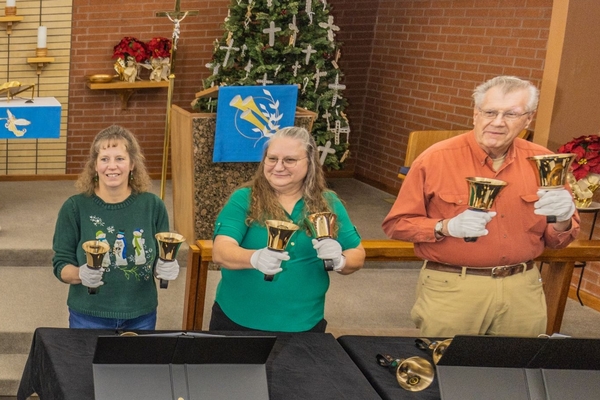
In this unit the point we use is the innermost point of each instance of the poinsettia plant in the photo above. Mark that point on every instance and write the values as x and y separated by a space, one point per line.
159 47
132 47
587 155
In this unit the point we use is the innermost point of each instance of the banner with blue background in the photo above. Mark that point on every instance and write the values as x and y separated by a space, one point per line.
37 118
247 116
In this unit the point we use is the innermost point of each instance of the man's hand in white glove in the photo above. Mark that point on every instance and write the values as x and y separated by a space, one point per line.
91 277
330 249
470 223
557 202
268 261
166 270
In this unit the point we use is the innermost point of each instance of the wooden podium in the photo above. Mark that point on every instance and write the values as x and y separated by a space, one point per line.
201 187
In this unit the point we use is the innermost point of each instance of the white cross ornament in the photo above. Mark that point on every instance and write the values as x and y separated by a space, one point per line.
309 51
325 151
271 31
336 87
264 80
229 49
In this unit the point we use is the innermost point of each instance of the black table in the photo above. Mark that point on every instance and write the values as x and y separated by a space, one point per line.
301 366
363 351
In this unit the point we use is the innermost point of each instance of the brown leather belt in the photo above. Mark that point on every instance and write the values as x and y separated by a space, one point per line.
495 272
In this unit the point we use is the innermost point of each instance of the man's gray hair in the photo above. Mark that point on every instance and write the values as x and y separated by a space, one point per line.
507 84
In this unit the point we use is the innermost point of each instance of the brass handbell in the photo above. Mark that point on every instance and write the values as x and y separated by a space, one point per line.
482 193
413 374
436 348
321 227
94 253
279 234
551 172
168 246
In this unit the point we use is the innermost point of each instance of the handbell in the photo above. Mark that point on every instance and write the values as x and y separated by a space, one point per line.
436 348
413 374
321 226
168 246
94 253
482 193
551 172
279 234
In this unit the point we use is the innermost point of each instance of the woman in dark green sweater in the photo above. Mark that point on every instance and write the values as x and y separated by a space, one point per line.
114 207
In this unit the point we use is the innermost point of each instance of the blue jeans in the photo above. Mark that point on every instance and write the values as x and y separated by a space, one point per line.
145 322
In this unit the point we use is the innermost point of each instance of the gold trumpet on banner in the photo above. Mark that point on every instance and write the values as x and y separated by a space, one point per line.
436 348
413 374
94 253
551 172
250 112
279 234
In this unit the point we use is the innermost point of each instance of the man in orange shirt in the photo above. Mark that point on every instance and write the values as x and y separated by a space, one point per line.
489 286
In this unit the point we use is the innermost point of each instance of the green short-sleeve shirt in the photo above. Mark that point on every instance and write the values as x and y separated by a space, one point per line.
295 300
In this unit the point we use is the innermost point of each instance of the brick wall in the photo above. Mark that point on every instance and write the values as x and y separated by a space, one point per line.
97 27
428 56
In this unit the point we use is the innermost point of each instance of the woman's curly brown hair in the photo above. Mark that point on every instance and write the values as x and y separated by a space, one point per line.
110 137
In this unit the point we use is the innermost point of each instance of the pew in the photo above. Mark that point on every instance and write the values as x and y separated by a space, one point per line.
556 274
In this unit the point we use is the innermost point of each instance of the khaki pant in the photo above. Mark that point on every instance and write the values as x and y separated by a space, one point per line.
451 304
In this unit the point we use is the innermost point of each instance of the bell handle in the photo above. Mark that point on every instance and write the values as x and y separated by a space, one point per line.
164 284
328 265
550 219
92 290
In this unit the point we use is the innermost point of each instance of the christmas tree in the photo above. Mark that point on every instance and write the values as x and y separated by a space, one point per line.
286 42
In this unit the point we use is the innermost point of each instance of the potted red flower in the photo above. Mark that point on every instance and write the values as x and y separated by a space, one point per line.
585 178
159 47
132 47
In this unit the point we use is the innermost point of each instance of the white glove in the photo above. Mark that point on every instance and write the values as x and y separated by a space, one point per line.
166 270
470 223
90 277
268 261
557 202
330 249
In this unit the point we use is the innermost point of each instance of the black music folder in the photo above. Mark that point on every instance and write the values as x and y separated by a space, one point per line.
181 365
495 367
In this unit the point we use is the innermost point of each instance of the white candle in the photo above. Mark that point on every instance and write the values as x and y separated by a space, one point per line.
41 38
11 3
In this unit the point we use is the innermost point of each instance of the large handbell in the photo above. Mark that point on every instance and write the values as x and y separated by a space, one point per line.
94 253
551 172
321 226
279 234
413 374
482 193
168 246
435 348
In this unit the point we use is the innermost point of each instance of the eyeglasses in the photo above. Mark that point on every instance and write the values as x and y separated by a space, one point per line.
508 115
287 162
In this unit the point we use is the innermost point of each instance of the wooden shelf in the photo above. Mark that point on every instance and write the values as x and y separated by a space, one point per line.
126 89
10 19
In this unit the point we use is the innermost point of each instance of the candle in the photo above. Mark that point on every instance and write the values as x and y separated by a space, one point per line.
11 3
41 38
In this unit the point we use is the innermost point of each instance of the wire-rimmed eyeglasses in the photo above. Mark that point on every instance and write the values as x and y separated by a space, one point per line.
508 115
287 162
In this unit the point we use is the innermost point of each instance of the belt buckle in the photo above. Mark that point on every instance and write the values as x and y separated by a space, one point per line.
501 271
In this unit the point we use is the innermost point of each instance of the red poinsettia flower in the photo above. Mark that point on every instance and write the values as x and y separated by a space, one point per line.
159 47
132 47
587 155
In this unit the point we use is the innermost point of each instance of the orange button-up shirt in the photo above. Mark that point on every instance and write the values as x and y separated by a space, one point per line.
435 188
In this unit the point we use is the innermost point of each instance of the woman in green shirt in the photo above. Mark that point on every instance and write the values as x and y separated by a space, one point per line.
289 185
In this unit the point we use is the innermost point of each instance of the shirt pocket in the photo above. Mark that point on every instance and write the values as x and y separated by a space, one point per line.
533 223
450 204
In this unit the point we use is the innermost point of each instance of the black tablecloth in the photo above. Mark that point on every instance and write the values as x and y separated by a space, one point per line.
363 351
301 366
